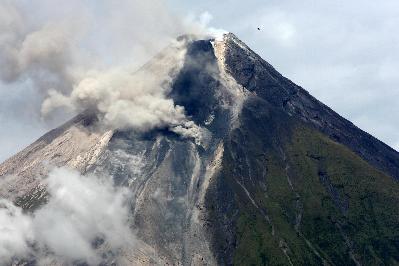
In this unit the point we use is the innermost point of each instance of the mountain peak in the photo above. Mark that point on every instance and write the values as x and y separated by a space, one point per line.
231 37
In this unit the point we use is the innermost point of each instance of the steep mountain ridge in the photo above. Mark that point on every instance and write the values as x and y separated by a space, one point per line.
278 178
255 74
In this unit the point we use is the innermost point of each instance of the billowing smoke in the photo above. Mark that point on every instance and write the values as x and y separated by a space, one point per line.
15 232
80 63
82 212
125 100
43 54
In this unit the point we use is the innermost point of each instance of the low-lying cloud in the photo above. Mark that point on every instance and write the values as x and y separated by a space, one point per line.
15 232
81 211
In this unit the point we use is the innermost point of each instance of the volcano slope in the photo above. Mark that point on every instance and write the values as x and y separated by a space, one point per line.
278 178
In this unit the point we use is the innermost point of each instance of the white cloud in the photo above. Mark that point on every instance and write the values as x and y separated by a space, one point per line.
15 232
201 25
42 54
80 210
277 27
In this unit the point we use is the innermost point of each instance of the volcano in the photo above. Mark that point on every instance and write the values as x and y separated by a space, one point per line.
278 178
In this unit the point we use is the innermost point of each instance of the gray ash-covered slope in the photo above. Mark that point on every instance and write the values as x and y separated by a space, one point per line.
278 178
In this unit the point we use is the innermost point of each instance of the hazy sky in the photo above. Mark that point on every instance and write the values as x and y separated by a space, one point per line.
345 53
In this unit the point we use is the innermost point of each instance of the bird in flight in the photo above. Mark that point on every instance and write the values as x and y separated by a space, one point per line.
258 28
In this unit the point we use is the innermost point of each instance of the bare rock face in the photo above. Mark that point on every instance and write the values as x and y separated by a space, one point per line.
278 178
74 145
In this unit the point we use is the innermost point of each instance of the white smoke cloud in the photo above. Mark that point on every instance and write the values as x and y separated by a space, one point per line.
80 210
138 101
73 72
203 22
42 54
15 232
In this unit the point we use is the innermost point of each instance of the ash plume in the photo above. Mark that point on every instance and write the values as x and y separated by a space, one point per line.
74 66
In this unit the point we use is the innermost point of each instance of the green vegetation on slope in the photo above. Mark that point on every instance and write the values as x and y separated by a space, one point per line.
344 195
338 210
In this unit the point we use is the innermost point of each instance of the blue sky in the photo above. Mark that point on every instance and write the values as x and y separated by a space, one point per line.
345 53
